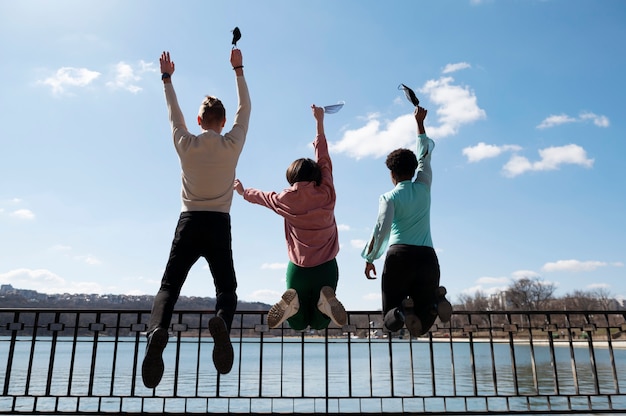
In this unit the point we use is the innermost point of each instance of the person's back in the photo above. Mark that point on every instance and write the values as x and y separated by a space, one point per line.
208 162
411 293
411 219
307 207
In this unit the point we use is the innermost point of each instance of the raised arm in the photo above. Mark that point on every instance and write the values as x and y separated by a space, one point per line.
318 113
177 120
236 60
320 145
242 116
424 149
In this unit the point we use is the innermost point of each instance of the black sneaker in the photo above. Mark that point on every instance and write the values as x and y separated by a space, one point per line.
412 322
444 308
152 367
223 354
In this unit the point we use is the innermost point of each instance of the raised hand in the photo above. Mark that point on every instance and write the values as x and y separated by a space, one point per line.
167 65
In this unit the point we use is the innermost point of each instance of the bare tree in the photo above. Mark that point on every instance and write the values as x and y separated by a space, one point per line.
581 300
604 299
530 294
477 302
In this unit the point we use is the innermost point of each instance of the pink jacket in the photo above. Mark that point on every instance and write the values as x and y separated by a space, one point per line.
308 210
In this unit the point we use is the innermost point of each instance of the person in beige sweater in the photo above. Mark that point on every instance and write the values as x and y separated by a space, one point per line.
208 161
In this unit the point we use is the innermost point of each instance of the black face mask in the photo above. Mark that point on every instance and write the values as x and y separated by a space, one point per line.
236 36
410 95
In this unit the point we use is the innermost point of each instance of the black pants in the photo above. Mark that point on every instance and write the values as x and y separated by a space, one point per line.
411 271
198 234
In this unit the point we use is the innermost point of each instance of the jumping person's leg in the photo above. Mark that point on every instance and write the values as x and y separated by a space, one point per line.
298 280
218 253
183 254
424 288
325 280
395 286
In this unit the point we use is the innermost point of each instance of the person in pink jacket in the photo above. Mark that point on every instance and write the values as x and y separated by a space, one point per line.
308 207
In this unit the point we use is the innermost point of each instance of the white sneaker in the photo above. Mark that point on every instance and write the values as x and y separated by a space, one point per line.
331 307
283 310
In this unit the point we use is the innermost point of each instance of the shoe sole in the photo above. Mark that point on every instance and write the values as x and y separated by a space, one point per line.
286 308
444 308
223 354
330 306
411 321
413 324
153 367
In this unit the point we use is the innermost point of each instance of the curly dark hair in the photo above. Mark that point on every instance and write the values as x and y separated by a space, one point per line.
304 170
402 162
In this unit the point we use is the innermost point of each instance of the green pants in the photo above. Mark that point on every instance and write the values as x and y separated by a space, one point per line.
308 281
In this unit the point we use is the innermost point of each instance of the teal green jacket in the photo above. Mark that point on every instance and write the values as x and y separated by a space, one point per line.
404 212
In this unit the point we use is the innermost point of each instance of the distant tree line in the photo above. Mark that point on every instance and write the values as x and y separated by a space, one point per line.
534 294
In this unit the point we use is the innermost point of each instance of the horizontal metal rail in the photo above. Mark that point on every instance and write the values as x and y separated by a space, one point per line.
61 361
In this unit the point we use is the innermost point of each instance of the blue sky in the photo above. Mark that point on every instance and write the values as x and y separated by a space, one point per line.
525 100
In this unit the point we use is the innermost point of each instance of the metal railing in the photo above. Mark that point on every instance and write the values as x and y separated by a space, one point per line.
59 361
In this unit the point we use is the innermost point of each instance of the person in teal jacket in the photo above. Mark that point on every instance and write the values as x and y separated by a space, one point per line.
411 293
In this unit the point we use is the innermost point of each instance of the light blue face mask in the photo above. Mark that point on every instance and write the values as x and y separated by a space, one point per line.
332 109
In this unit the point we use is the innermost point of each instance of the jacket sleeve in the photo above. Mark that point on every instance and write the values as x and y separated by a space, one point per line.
424 150
379 239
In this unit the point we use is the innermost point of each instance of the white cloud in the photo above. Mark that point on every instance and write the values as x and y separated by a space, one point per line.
343 227
572 266
455 67
70 77
524 274
600 121
89 259
557 120
23 214
356 243
45 281
376 138
598 286
485 151
493 280
457 106
551 159
274 266
265 296
126 76
454 106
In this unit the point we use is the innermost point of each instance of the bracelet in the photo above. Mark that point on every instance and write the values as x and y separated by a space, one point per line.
165 75
237 67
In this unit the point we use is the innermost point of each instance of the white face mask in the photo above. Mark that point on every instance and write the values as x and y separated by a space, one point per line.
332 109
